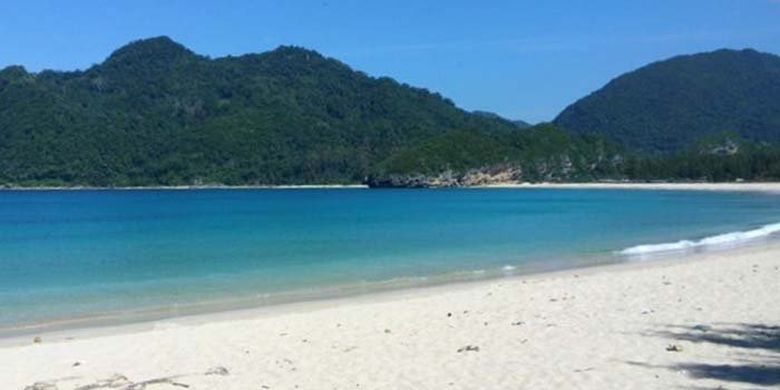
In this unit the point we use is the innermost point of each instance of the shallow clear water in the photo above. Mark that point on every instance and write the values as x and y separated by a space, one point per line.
66 254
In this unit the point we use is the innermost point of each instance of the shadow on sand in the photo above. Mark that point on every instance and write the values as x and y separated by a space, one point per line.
755 349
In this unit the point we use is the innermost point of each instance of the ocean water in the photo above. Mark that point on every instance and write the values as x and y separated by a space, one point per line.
71 256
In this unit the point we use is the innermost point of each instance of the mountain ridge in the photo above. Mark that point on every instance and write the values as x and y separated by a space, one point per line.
666 105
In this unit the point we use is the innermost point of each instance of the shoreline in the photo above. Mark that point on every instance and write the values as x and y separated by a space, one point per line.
228 306
122 322
599 327
773 187
200 312
185 188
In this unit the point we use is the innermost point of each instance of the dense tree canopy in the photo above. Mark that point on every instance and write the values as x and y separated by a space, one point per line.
156 113
546 153
542 152
668 105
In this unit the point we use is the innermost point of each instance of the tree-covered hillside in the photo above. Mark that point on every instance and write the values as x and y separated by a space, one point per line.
545 153
666 106
156 113
540 153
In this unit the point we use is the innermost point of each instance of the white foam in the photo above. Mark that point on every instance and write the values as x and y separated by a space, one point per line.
721 240
508 268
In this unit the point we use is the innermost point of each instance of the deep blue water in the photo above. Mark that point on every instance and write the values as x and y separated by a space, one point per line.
66 254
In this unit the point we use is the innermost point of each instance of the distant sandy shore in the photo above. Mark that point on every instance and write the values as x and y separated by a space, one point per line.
193 187
705 321
753 187
747 186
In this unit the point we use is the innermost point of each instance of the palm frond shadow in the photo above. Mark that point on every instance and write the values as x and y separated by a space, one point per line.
757 344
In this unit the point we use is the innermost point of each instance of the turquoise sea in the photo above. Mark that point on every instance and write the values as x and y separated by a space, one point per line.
68 256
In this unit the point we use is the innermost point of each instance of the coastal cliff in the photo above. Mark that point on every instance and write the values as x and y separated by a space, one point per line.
553 170
472 177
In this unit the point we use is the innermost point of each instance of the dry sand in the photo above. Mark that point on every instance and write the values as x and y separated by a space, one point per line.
706 321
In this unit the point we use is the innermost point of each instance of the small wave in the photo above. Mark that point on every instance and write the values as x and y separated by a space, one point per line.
727 239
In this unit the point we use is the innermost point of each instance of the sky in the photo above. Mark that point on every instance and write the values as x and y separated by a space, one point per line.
521 59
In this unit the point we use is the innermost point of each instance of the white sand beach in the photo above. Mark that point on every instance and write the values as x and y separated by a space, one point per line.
705 321
189 187
772 187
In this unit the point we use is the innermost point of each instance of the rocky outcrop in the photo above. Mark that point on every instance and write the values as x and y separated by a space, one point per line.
556 168
473 177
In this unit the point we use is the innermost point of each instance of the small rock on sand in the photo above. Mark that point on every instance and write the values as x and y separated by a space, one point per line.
469 348
674 348
37 339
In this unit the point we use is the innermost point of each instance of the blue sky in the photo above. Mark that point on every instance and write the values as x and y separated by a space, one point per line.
521 59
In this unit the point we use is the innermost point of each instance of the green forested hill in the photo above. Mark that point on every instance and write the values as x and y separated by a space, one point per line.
546 153
538 153
156 113
666 106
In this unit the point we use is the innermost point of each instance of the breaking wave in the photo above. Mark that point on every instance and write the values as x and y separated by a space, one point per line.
721 240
